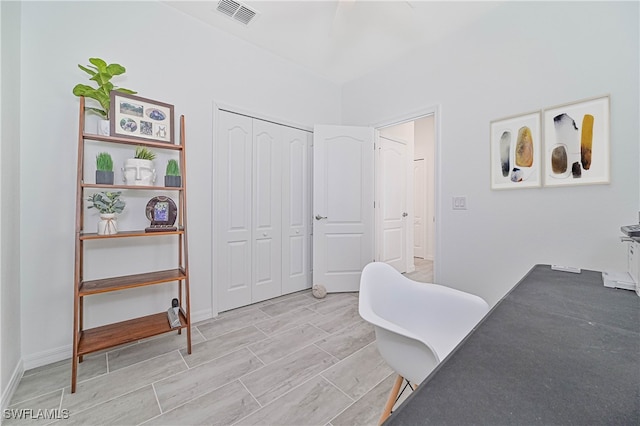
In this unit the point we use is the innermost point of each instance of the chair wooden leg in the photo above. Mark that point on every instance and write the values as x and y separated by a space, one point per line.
392 399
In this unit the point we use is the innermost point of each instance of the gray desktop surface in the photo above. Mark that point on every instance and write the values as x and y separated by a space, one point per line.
559 349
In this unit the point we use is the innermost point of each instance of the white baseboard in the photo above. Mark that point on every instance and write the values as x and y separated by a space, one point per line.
201 315
7 393
48 357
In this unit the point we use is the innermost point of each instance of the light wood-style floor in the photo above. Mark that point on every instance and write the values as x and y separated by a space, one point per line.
293 360
423 272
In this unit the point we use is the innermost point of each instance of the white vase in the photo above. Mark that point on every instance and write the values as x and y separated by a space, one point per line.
108 224
103 127
137 171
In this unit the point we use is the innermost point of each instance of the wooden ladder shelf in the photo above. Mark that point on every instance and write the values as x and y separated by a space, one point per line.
86 341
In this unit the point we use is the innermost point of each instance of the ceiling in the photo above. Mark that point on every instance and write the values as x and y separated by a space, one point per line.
341 40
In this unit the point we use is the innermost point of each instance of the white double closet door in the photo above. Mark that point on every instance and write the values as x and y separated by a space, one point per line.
263 210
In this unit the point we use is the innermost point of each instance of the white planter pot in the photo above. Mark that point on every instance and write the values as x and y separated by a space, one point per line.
138 172
103 128
108 224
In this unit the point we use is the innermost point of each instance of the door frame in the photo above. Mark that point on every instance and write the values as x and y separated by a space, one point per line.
412 116
420 202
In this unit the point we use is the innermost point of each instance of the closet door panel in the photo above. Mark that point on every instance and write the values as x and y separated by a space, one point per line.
267 213
296 255
233 188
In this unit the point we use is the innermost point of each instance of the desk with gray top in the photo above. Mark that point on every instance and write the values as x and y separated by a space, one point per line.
559 349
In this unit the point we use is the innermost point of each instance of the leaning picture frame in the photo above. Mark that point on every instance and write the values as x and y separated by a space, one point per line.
577 143
162 212
140 118
516 151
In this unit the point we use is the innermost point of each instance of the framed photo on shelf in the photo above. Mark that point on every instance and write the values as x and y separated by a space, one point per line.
577 143
140 118
162 213
516 152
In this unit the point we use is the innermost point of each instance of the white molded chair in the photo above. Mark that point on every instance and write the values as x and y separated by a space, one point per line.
416 324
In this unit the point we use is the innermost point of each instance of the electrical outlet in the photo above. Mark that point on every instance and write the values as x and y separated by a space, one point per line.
459 203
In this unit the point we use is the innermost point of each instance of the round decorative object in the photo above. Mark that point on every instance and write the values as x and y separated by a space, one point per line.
319 291
162 212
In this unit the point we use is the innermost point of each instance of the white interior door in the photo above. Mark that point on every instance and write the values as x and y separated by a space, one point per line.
233 210
296 210
420 209
267 213
343 180
393 199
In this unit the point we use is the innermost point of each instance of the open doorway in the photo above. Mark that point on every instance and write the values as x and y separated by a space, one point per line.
405 196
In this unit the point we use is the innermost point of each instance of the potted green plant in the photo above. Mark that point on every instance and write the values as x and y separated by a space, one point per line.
172 177
104 168
139 170
101 73
108 204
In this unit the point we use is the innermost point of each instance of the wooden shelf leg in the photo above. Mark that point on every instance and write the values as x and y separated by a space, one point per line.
81 321
74 375
180 300
189 339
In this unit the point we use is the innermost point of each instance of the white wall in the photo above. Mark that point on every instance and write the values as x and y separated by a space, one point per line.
169 57
518 58
10 365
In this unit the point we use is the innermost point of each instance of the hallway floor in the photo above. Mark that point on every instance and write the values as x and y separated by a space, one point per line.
423 272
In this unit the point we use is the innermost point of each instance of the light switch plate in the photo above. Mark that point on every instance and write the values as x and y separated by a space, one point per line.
459 203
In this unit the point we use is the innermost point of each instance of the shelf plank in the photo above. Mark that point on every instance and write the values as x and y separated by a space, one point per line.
106 285
126 234
150 187
129 141
107 336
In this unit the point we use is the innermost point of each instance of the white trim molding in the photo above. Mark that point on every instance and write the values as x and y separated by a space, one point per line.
7 393
48 357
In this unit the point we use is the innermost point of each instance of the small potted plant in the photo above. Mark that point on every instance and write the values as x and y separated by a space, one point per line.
104 169
139 170
101 73
172 177
108 205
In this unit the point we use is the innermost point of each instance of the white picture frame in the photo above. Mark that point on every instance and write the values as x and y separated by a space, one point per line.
577 143
516 148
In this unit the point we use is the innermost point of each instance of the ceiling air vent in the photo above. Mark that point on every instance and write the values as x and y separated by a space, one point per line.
236 10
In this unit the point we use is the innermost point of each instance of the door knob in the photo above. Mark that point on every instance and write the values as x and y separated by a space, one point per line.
405 214
264 234
318 217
